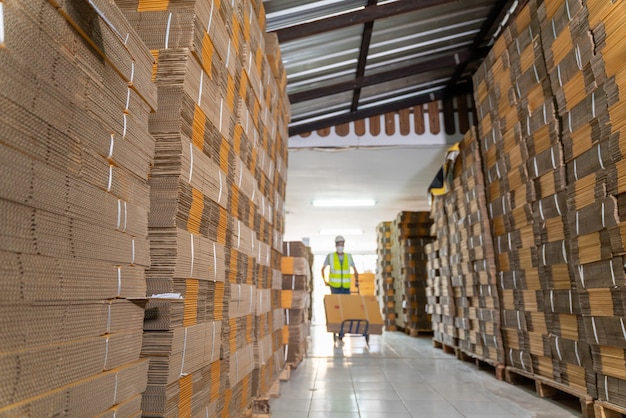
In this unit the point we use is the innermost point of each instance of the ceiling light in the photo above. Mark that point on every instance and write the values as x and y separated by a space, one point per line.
338 203
341 231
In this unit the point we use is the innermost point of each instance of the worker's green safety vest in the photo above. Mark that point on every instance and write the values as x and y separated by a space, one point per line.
339 272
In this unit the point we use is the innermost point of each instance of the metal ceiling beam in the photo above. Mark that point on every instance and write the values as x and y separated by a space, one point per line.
378 110
495 16
434 64
366 39
367 14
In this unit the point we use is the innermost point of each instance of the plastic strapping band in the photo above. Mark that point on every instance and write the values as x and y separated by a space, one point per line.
511 355
595 332
514 280
576 169
612 273
208 28
228 53
133 248
219 196
110 178
214 262
519 93
287 316
576 351
125 118
558 349
502 280
553 29
581 272
603 225
1 24
510 245
569 121
536 168
600 157
240 173
253 193
569 15
517 46
541 210
558 207
252 238
558 72
564 250
190 161
119 280
127 99
578 57
115 392
108 318
552 300
521 358
536 74
132 71
182 363
119 213
528 125
606 387
102 16
543 252
553 159
125 215
593 104
106 353
111 144
167 31
571 307
192 255
577 224
519 323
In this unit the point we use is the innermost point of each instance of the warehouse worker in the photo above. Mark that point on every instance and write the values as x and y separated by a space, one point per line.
339 262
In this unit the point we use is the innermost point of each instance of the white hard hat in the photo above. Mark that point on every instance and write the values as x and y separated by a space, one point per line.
339 238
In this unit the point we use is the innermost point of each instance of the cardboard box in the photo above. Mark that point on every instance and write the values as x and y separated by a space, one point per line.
341 307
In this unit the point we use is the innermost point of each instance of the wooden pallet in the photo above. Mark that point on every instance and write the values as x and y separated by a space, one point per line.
448 349
547 388
481 362
415 332
604 409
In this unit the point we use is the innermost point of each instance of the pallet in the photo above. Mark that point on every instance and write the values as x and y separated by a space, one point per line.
481 362
448 349
547 388
415 332
294 364
604 409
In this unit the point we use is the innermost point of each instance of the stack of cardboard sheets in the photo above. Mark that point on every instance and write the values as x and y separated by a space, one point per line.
410 233
76 96
217 201
385 289
296 299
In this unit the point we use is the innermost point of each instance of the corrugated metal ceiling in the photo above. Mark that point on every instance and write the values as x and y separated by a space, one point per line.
350 59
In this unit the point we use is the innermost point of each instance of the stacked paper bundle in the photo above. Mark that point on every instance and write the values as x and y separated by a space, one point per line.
441 302
367 284
296 300
219 176
385 289
76 97
410 233
592 107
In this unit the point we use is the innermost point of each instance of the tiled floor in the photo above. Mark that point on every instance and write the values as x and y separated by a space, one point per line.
398 376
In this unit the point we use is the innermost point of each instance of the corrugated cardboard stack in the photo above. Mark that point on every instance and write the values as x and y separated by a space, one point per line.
385 289
509 190
565 333
367 284
218 188
296 299
75 96
410 233
590 96
441 304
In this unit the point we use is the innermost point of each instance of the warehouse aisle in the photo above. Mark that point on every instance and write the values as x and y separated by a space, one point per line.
399 376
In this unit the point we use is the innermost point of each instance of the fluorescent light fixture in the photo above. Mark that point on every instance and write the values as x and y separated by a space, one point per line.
340 231
339 203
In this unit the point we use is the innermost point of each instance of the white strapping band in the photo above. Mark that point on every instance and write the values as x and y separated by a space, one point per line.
119 213
521 358
603 225
564 251
558 207
110 178
600 157
558 72
621 321
613 275
182 363
576 351
125 215
132 71
208 28
558 349
581 272
541 210
127 99
606 387
1 24
125 118
167 31
571 306
111 144
108 318
115 392
569 15
200 88
552 299
106 353
119 280
595 331
132 261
